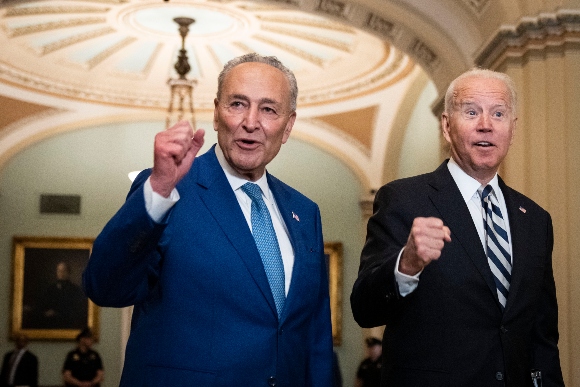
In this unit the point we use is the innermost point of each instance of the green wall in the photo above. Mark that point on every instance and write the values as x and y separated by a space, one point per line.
94 163
420 149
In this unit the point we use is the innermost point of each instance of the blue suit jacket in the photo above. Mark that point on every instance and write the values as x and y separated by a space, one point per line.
204 313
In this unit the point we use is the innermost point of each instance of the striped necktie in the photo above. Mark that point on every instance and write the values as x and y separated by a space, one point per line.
497 243
267 243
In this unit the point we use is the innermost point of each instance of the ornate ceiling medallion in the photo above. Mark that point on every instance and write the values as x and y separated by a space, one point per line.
122 53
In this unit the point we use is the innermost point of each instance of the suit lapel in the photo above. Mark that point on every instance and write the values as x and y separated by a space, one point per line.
447 198
216 193
517 221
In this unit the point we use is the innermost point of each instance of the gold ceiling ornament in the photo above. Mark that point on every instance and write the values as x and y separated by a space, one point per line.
181 88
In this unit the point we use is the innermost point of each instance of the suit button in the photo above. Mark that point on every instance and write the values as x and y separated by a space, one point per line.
272 381
499 375
503 329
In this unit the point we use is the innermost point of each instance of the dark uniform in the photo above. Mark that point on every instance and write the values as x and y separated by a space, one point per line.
370 372
83 366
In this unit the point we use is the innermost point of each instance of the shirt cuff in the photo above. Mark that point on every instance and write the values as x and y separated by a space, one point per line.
406 283
156 205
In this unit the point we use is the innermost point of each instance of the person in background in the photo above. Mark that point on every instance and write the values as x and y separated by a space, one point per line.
63 304
336 373
83 366
224 262
20 366
369 370
457 264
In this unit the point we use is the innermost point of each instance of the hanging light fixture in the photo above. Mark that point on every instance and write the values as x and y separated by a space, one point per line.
181 98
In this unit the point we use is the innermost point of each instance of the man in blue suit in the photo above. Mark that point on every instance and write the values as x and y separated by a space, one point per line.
182 251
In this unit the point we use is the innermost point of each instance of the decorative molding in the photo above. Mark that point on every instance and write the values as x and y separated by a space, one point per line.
242 46
80 91
217 62
309 22
31 29
360 81
347 47
395 68
531 33
424 53
109 51
379 25
290 2
146 69
51 47
152 58
291 48
43 10
333 8
477 6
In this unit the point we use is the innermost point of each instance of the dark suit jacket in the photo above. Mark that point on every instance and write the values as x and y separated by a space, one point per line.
204 312
451 330
26 371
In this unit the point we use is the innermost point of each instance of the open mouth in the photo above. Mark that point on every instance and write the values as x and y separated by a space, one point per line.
247 144
483 144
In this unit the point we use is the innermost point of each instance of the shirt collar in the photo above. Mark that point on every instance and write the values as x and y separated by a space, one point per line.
467 185
235 179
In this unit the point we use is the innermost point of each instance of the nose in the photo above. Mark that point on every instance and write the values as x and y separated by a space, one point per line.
251 119
485 122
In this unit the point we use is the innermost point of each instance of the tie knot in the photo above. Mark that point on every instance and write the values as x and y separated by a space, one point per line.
487 190
253 191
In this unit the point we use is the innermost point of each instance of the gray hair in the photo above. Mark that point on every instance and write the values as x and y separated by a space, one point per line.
269 60
481 73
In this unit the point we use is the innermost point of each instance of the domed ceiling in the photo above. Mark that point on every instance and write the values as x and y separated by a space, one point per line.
123 53
68 64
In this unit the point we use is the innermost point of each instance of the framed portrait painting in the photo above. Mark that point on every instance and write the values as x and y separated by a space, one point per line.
48 301
333 253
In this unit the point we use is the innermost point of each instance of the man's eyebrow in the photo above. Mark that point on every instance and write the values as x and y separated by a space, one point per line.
464 104
238 96
269 100
246 98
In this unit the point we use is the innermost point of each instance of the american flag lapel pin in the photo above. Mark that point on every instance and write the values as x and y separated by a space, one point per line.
295 216
522 209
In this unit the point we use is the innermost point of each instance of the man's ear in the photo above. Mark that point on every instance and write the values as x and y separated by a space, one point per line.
445 126
215 114
513 129
289 126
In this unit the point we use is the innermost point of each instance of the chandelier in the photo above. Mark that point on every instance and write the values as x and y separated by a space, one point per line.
181 98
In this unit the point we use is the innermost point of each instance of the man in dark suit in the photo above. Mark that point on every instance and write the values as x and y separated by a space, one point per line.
213 306
461 277
20 367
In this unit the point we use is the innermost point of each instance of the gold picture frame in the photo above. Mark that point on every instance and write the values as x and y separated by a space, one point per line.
333 253
47 299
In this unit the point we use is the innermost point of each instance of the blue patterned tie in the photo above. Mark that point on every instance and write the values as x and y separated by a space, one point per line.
267 244
497 244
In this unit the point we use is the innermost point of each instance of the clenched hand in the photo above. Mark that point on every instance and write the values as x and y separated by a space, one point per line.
425 242
174 152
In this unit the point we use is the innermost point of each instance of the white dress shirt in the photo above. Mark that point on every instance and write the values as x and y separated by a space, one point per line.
469 188
157 206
